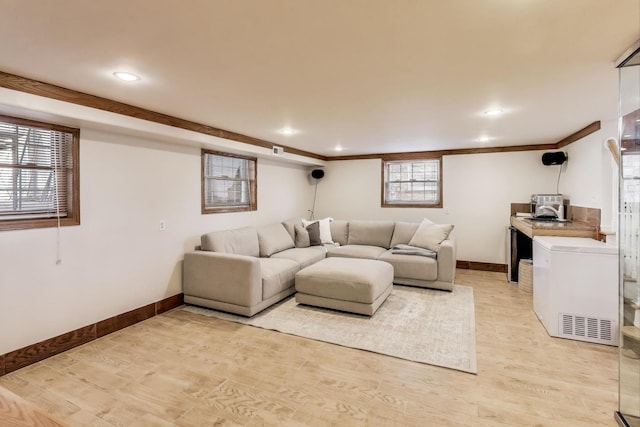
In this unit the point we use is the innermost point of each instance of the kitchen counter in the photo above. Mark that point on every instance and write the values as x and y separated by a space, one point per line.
583 222
533 228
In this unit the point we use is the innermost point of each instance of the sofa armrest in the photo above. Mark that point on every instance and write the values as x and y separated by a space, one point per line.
447 260
230 278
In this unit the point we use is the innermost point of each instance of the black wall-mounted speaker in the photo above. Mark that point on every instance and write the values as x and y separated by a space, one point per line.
317 174
554 158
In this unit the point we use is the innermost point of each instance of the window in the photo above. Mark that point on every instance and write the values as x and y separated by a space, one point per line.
228 183
39 174
412 183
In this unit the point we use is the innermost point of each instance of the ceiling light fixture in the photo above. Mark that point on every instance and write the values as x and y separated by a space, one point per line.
493 112
338 148
484 139
287 131
127 77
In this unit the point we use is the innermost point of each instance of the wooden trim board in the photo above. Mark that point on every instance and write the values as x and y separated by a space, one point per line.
35 87
481 266
33 353
47 90
587 130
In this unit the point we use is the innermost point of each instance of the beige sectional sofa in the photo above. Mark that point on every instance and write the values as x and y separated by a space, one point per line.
246 270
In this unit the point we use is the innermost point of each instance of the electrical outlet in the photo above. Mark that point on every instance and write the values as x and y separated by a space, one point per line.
163 225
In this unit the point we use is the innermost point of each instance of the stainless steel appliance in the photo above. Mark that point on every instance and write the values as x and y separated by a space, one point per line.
547 205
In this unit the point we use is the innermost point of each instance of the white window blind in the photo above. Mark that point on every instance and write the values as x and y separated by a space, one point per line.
228 182
412 182
36 172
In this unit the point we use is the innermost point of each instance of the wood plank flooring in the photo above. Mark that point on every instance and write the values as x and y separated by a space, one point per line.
16 411
183 369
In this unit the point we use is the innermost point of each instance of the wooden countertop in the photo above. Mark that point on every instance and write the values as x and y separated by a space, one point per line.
547 228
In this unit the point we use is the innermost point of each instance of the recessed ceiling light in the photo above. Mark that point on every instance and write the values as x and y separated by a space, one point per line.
484 139
127 77
493 112
287 131
338 148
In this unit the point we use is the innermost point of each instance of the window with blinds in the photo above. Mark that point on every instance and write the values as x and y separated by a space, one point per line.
412 183
228 183
39 179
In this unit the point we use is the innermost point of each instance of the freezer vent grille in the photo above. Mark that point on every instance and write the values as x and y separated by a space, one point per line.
587 328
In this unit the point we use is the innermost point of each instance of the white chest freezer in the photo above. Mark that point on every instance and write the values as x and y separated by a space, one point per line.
575 288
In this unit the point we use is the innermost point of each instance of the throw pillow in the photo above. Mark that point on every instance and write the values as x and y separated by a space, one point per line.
403 232
289 225
314 234
302 236
325 228
273 238
430 235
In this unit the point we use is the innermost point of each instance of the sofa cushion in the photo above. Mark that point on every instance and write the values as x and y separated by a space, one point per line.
273 238
302 236
340 231
356 251
361 281
277 275
411 266
303 256
290 224
241 241
430 235
371 233
403 232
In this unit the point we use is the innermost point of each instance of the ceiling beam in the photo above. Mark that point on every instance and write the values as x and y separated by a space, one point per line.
35 87
587 130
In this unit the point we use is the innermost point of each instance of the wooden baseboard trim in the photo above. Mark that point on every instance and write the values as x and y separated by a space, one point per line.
481 266
33 353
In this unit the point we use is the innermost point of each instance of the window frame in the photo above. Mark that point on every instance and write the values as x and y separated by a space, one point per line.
253 184
383 192
73 200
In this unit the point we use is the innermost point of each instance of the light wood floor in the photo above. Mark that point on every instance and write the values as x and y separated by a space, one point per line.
183 369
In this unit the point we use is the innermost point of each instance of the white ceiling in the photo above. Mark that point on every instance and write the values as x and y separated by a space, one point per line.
372 76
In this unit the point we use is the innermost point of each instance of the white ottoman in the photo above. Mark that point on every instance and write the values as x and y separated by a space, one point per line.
346 284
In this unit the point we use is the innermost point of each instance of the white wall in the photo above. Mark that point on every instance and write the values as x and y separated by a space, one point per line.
477 192
118 259
589 176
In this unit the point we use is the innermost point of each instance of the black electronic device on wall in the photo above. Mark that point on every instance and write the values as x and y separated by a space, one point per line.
317 174
554 158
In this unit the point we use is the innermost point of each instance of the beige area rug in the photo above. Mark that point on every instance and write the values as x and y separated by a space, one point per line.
422 325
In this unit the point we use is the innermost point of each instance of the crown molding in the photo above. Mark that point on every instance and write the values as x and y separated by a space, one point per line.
587 130
35 87
47 90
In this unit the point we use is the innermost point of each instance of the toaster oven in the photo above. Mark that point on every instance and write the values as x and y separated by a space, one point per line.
547 205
